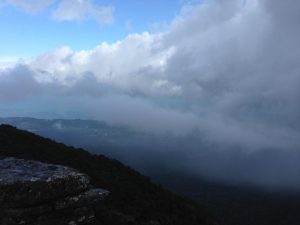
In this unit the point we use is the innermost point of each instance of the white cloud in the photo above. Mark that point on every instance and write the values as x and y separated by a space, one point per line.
80 10
67 10
128 26
30 6
134 65
2 3
233 66
8 60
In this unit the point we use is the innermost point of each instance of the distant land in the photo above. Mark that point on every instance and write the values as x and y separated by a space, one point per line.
231 204
133 199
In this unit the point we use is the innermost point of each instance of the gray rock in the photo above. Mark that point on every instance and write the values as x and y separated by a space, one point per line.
82 215
86 198
36 193
26 182
26 212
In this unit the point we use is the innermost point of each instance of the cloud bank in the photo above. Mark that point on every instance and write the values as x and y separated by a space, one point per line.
226 69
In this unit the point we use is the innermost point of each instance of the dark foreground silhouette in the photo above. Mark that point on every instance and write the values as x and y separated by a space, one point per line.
134 199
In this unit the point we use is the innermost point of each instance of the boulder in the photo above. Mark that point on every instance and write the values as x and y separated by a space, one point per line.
33 192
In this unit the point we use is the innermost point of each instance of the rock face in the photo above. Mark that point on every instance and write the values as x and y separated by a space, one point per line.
36 193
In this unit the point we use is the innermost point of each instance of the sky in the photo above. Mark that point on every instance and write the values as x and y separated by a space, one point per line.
226 69
32 27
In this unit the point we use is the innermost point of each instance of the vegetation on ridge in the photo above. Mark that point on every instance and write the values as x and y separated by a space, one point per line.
134 199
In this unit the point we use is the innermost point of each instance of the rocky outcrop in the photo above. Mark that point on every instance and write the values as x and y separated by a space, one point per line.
36 193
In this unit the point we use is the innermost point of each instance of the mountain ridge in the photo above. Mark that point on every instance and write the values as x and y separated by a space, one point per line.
134 198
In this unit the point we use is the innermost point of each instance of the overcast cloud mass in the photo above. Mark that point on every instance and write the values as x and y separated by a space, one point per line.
228 69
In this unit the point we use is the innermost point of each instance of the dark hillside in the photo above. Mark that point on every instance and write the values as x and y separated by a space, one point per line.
134 199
